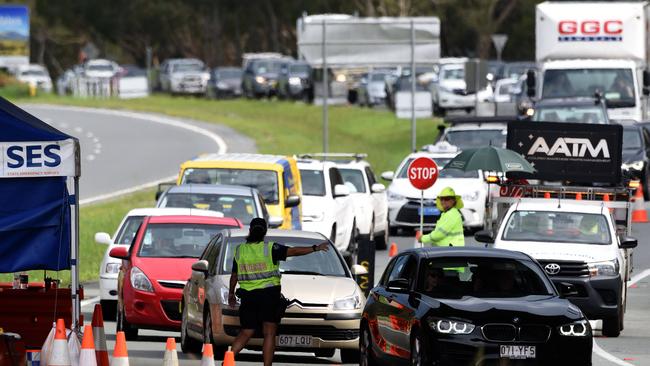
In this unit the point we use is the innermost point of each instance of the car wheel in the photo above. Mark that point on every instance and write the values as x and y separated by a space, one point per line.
418 354
188 344
333 235
208 337
612 325
326 352
366 358
130 332
645 182
109 309
353 246
350 355
381 241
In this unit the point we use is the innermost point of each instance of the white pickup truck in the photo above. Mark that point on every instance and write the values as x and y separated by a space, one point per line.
579 243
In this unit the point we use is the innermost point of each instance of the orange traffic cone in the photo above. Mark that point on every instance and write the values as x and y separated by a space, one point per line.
208 355
229 358
547 194
393 250
639 214
99 336
578 196
87 356
171 356
60 354
120 354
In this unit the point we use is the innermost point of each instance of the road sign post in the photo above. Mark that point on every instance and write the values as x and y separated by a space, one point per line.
422 173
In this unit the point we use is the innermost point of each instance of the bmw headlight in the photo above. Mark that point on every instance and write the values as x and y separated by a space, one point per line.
635 165
139 280
260 79
294 80
392 196
472 196
446 326
113 267
348 303
607 268
577 329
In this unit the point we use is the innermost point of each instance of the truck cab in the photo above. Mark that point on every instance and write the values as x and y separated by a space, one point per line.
580 243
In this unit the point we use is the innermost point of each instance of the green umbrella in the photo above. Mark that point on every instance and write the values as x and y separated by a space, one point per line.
490 158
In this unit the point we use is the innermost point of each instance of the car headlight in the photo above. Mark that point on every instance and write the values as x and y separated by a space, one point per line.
578 329
112 267
139 280
205 77
294 80
392 196
635 165
341 78
314 217
472 196
446 326
348 303
607 268
222 85
260 79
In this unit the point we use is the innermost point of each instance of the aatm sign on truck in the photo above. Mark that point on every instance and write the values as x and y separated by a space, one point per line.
30 159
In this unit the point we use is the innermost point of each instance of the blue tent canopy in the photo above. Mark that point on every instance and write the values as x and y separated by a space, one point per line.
35 206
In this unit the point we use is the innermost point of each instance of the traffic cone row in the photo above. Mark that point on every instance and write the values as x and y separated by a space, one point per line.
99 336
208 355
393 250
171 356
87 356
60 355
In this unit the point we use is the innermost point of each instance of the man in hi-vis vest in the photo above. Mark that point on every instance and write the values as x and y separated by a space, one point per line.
256 266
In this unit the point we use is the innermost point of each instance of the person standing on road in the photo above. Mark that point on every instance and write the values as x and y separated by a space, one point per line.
256 267
449 228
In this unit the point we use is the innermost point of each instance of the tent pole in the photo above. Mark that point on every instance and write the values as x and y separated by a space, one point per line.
74 267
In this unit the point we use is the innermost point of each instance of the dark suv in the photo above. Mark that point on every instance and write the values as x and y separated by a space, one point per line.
261 76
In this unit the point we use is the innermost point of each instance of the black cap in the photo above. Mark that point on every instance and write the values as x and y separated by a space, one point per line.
259 222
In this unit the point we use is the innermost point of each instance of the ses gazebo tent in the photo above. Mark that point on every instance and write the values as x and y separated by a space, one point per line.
37 228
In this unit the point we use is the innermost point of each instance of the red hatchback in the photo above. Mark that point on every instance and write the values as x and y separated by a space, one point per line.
157 265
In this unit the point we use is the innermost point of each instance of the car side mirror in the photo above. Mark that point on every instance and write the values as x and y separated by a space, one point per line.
378 188
359 270
119 253
484 236
388 176
627 242
200 266
567 289
341 190
103 238
292 201
275 222
646 82
530 83
398 285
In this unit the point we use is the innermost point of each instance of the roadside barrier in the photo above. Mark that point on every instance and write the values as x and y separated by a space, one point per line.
87 356
99 336
639 214
60 355
120 354
171 356
393 250
229 358
208 355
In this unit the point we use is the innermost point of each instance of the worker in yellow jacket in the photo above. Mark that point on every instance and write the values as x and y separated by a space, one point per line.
449 228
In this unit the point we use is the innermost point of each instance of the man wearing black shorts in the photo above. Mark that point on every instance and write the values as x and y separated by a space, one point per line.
256 268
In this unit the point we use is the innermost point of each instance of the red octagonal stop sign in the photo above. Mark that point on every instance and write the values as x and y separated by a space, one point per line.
422 173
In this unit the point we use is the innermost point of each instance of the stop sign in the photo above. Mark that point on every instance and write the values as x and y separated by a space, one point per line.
422 173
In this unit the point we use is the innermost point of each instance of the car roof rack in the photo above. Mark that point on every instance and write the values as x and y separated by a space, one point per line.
333 156
480 120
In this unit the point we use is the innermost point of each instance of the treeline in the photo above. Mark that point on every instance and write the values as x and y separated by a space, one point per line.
219 31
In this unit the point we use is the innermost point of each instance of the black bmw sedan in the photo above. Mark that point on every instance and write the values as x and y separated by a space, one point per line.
471 306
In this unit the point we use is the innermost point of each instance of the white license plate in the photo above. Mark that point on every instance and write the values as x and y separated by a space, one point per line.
517 352
293 341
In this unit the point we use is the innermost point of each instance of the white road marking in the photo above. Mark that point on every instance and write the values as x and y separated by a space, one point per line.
91 301
89 134
95 140
90 157
601 352
78 130
97 151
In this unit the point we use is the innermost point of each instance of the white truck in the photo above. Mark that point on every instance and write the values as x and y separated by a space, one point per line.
583 244
586 47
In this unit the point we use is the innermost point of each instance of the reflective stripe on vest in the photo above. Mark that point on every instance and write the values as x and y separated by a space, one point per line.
255 267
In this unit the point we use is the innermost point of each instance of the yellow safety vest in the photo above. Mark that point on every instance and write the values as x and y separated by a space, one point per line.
255 267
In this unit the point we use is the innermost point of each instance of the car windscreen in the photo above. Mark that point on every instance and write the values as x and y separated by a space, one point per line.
353 179
299 69
571 114
265 181
33 73
237 206
318 263
631 139
378 77
468 139
557 227
177 240
313 183
185 67
128 230
263 67
482 277
100 68
617 85
229 74
452 74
